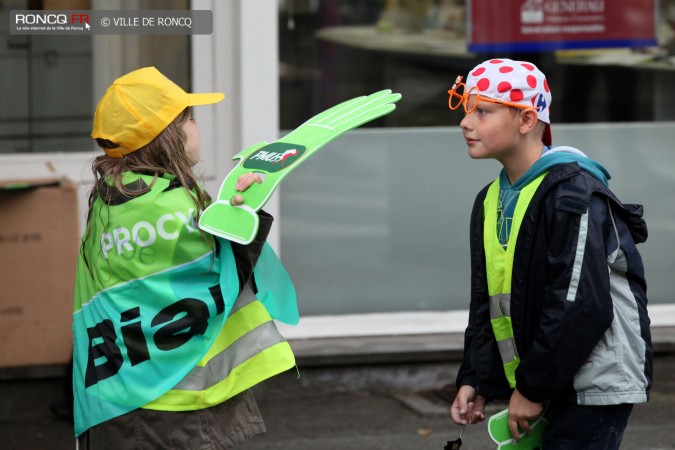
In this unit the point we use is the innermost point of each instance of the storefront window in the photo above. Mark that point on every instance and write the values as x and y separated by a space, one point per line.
48 83
333 50
379 221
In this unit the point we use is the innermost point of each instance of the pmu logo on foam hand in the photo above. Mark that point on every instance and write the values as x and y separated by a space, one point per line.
275 157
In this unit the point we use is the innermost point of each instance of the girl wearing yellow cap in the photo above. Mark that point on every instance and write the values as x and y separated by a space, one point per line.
172 326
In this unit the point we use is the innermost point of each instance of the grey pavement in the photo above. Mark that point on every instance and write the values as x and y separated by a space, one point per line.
354 394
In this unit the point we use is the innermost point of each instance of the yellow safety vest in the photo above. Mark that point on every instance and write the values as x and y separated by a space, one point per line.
499 267
248 350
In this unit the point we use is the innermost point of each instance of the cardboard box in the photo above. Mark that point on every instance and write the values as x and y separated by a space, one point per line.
38 253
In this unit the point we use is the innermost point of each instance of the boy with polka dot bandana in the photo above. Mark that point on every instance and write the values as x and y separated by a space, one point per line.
558 322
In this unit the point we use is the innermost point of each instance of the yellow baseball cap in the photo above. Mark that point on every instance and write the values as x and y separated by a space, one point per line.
140 105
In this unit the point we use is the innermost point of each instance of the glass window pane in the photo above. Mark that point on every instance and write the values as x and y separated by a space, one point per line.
47 85
379 221
333 50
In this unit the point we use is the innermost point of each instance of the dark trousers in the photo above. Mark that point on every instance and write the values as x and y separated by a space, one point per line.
585 427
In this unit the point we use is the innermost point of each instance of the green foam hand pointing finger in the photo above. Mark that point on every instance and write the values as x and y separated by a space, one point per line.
274 161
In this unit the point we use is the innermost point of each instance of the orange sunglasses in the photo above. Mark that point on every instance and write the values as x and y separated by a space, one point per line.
464 98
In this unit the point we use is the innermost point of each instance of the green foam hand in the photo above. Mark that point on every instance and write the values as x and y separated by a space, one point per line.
274 161
498 428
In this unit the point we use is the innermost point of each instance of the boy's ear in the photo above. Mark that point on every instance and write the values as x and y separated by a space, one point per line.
528 120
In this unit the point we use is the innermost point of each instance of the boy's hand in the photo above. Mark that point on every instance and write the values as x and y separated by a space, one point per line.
468 406
520 411
244 182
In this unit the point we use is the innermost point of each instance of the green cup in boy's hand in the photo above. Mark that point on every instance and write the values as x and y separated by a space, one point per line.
276 160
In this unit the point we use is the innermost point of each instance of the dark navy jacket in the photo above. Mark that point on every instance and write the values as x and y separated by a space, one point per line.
578 300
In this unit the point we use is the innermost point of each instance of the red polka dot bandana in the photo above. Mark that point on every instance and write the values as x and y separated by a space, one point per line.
511 81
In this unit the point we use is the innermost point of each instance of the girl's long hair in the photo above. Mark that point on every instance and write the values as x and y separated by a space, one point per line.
164 155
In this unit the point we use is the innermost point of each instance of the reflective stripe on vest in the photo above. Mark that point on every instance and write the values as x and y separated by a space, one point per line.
248 350
499 266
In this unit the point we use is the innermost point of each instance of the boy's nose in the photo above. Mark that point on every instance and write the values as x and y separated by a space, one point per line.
465 123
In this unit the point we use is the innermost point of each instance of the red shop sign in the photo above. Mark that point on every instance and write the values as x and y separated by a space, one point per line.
539 25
